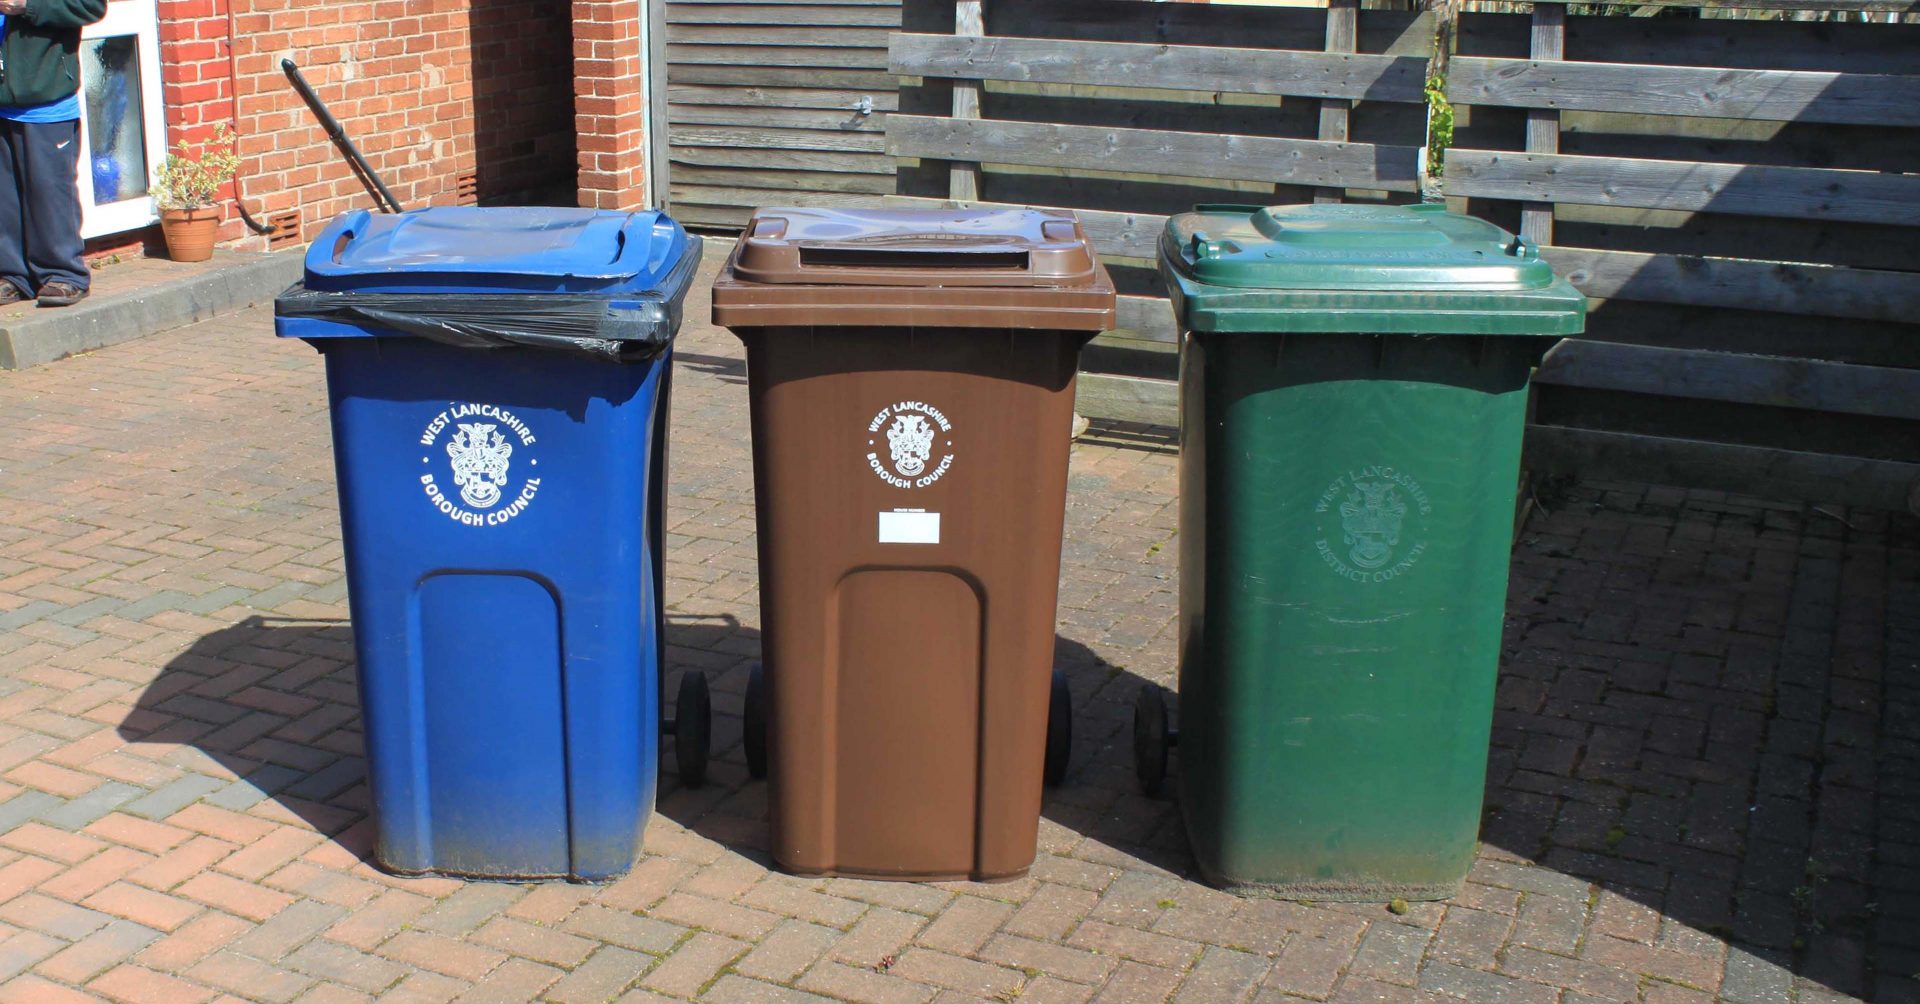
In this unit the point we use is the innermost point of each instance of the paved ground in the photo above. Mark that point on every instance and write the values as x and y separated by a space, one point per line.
1709 734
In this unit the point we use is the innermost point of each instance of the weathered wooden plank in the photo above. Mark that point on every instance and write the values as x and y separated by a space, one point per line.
963 176
797 3
1197 155
1149 318
1811 290
782 159
1186 68
728 217
804 36
861 15
1748 470
1168 24
1828 6
875 78
776 139
1793 192
655 185
783 97
1776 381
779 118
829 57
1343 28
1128 399
1829 46
803 181
1548 44
1705 92
728 196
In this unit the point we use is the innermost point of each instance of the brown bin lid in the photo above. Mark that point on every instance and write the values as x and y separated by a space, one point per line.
1017 268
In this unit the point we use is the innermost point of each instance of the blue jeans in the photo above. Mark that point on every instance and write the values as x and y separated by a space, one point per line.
40 205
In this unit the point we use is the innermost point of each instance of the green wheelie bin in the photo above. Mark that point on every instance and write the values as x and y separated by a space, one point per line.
1353 384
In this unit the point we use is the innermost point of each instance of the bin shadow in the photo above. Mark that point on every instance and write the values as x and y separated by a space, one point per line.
1689 745
1098 799
728 369
1131 436
273 702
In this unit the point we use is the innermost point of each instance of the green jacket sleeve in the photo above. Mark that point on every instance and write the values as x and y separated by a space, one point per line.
65 13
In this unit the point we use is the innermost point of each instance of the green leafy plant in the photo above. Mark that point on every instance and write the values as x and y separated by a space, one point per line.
1439 125
192 180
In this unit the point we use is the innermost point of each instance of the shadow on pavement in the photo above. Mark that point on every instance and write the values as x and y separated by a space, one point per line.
1705 732
271 700
1098 798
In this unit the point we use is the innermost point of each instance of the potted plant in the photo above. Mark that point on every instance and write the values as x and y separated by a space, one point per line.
186 190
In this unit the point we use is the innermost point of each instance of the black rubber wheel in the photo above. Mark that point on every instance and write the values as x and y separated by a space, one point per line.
1150 737
1059 729
692 728
753 736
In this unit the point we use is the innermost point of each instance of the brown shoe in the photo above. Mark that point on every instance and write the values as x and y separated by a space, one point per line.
10 293
61 294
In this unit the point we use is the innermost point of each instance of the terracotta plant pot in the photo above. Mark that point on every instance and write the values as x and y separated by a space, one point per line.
190 232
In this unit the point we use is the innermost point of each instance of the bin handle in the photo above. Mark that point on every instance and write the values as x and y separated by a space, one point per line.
1202 247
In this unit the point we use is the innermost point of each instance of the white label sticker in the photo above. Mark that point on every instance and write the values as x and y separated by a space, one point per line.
909 526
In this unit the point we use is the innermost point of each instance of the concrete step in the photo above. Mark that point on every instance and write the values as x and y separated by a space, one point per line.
143 297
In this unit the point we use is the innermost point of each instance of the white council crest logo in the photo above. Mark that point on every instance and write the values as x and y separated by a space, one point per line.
1373 504
913 429
480 443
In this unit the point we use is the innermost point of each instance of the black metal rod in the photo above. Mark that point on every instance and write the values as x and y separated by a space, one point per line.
361 169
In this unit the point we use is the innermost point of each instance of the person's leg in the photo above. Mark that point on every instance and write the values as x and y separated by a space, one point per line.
13 244
52 199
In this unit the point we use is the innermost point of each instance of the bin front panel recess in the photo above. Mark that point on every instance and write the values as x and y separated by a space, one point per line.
911 377
1347 507
500 507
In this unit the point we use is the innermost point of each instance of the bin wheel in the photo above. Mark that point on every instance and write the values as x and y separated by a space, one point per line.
754 722
1059 729
1150 737
692 728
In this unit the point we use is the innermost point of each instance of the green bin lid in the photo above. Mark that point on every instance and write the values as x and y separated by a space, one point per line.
1366 269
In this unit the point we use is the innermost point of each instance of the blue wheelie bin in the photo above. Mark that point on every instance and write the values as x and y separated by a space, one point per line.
498 381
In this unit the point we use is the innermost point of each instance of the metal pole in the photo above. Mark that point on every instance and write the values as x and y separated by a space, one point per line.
362 169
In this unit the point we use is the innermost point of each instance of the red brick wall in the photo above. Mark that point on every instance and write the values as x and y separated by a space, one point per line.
610 106
523 101
404 77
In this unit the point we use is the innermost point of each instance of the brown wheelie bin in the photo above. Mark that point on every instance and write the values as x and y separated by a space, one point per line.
911 376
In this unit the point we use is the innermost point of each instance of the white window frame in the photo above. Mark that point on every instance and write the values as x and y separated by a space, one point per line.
140 19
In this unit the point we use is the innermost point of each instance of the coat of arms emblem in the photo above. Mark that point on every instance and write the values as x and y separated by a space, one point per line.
479 453
911 439
1370 520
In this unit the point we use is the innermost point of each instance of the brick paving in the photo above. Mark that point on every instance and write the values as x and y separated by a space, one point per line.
1705 781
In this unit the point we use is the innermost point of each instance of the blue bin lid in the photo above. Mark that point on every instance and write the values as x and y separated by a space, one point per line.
506 249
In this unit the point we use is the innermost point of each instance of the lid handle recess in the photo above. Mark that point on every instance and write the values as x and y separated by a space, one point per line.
883 257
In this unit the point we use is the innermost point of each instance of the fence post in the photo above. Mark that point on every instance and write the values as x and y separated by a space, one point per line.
963 178
1543 124
1343 23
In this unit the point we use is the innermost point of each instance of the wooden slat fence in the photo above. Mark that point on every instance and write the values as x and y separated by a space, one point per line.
1753 296
776 102
1099 107
1738 197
